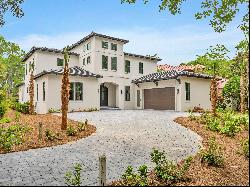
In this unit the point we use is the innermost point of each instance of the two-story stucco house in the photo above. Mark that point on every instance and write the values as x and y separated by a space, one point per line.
103 75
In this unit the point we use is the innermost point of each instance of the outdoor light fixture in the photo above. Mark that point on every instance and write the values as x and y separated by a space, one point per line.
178 90
121 91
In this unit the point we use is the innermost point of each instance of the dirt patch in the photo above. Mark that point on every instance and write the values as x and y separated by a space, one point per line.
49 121
235 171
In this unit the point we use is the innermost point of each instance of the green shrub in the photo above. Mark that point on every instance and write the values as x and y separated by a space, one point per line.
13 135
51 110
230 128
167 170
213 124
74 178
5 120
130 178
51 136
17 116
192 116
21 107
213 156
71 131
245 147
3 108
82 126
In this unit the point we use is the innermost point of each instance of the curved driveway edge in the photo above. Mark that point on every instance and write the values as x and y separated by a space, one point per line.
126 137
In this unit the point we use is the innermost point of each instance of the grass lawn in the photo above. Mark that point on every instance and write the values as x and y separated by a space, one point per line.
28 138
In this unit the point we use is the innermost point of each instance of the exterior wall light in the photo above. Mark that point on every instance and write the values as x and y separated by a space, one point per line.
178 91
121 91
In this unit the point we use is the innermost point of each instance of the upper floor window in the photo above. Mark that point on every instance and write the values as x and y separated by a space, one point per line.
88 60
127 66
76 91
114 63
127 93
29 66
83 61
113 46
105 45
187 89
89 46
140 67
43 91
84 48
104 62
59 62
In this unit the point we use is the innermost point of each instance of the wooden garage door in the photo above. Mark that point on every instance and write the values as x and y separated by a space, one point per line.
159 98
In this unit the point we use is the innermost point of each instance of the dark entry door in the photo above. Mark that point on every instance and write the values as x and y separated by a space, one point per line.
103 95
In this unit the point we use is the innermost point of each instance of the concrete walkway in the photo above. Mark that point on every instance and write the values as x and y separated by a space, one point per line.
125 137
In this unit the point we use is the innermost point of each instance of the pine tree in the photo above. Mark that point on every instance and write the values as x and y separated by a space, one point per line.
65 88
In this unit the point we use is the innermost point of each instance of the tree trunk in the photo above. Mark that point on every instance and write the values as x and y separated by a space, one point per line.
243 85
31 94
65 88
213 92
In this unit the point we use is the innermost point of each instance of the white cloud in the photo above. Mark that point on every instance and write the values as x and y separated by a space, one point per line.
173 45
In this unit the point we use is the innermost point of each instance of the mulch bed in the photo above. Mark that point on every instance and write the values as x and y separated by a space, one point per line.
235 171
50 122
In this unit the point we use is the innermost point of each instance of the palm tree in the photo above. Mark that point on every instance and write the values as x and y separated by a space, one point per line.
31 89
65 88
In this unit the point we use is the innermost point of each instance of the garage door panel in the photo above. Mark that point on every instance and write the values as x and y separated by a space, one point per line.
159 98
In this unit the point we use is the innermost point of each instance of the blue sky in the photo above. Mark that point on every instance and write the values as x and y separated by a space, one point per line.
176 39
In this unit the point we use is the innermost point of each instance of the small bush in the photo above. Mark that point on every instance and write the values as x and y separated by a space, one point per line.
13 135
51 136
245 147
130 178
213 156
17 116
21 107
192 116
74 178
71 131
3 108
167 170
82 126
51 110
198 109
230 128
5 120
213 124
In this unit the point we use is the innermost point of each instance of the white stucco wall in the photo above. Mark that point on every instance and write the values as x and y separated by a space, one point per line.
199 93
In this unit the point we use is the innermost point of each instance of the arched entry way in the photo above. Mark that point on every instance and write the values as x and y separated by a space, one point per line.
108 95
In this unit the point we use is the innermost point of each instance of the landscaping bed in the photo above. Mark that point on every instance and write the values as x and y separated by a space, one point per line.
26 129
235 170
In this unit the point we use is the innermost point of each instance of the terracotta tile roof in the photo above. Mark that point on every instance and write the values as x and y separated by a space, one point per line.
92 34
165 75
142 56
52 50
166 67
73 71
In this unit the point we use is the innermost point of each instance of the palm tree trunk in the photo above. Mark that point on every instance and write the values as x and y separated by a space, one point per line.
65 88
31 94
214 95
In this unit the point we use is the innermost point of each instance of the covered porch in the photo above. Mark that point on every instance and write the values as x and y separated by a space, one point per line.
109 93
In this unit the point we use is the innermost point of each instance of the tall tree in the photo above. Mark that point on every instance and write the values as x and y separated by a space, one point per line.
10 5
215 54
65 88
11 66
220 12
31 89
242 59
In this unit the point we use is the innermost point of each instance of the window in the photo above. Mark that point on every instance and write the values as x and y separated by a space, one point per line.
71 92
29 66
127 66
113 46
114 63
104 62
88 60
43 91
89 46
26 69
105 45
141 68
27 89
84 48
83 61
37 92
76 91
187 89
127 93
59 62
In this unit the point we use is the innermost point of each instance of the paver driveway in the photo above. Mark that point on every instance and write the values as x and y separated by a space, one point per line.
125 137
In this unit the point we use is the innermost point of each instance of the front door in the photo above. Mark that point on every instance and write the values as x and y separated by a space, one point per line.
103 95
